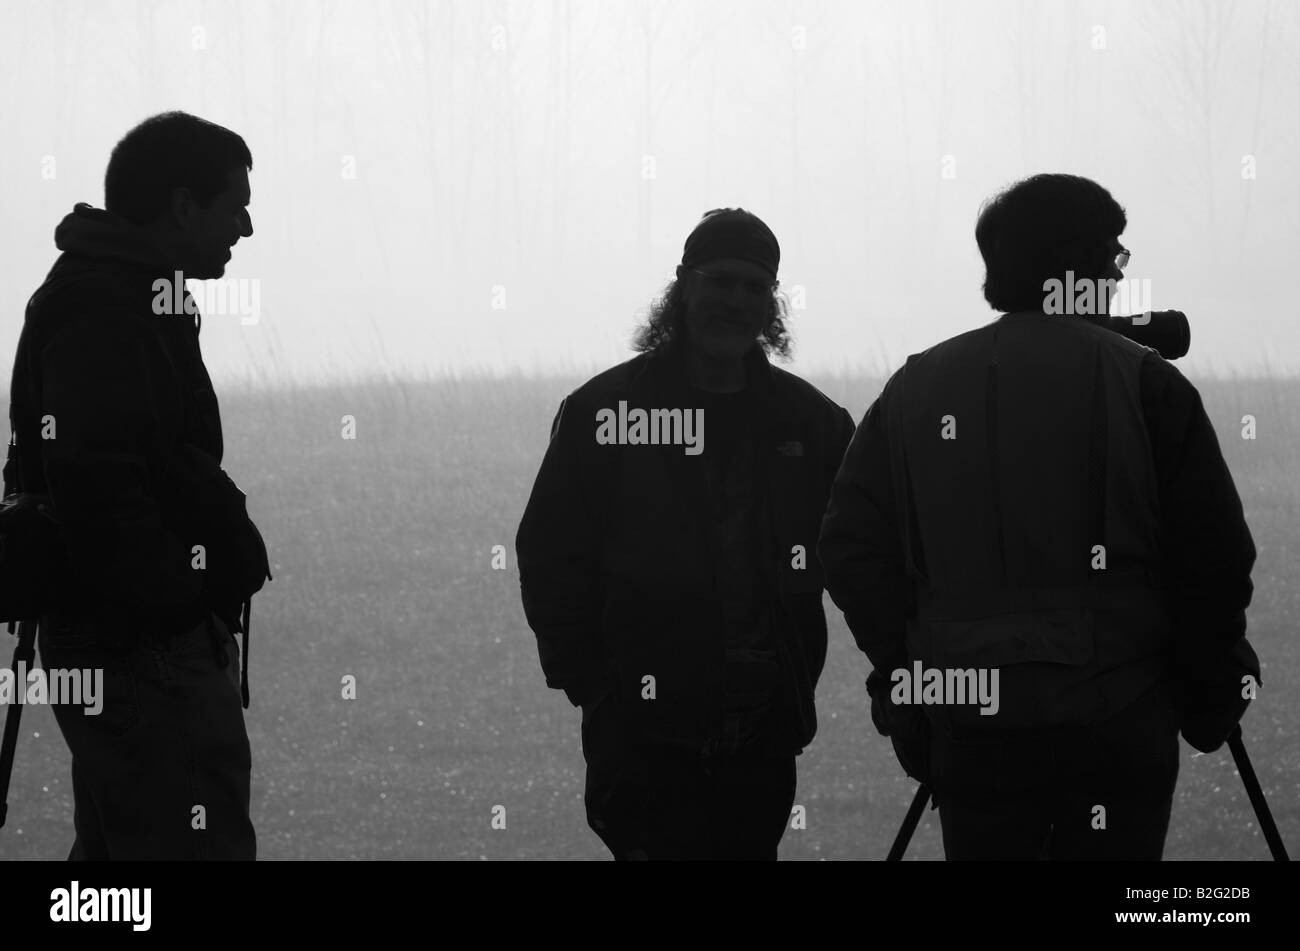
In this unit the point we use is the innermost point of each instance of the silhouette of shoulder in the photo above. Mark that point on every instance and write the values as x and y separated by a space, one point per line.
796 391
83 294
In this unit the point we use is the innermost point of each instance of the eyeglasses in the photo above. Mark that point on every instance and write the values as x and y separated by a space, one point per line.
1123 257
721 283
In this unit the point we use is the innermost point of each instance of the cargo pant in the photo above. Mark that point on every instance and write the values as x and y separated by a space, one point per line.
163 770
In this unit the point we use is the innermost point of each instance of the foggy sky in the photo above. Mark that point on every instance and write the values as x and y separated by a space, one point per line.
526 173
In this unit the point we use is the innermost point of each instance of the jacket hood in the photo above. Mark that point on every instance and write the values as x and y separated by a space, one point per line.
96 233
90 237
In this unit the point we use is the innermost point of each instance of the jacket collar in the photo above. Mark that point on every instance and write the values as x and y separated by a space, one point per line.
664 381
664 384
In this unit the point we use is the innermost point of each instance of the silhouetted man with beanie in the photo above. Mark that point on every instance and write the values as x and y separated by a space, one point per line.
668 567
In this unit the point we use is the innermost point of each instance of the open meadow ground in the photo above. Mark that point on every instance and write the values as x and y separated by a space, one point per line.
381 549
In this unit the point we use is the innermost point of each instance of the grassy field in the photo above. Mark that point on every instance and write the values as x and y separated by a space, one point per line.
381 549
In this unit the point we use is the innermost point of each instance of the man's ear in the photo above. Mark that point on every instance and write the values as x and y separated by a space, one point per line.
183 206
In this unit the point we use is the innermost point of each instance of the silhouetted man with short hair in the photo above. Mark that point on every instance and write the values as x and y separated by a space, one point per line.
1044 499
115 419
668 567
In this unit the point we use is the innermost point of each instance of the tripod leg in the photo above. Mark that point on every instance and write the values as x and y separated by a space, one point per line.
24 654
909 824
1256 794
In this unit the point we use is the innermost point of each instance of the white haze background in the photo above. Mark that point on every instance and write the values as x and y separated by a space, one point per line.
552 156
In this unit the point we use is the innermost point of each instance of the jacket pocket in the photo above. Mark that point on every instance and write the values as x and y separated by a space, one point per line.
1032 670
115 708
121 710
1062 636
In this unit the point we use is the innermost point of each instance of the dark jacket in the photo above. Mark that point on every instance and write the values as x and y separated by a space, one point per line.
134 465
615 561
1067 436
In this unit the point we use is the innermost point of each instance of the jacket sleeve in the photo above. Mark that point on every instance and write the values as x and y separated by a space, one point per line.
860 548
841 434
558 546
1207 548
208 508
98 395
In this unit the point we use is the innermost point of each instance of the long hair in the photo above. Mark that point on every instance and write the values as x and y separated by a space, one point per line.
665 324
